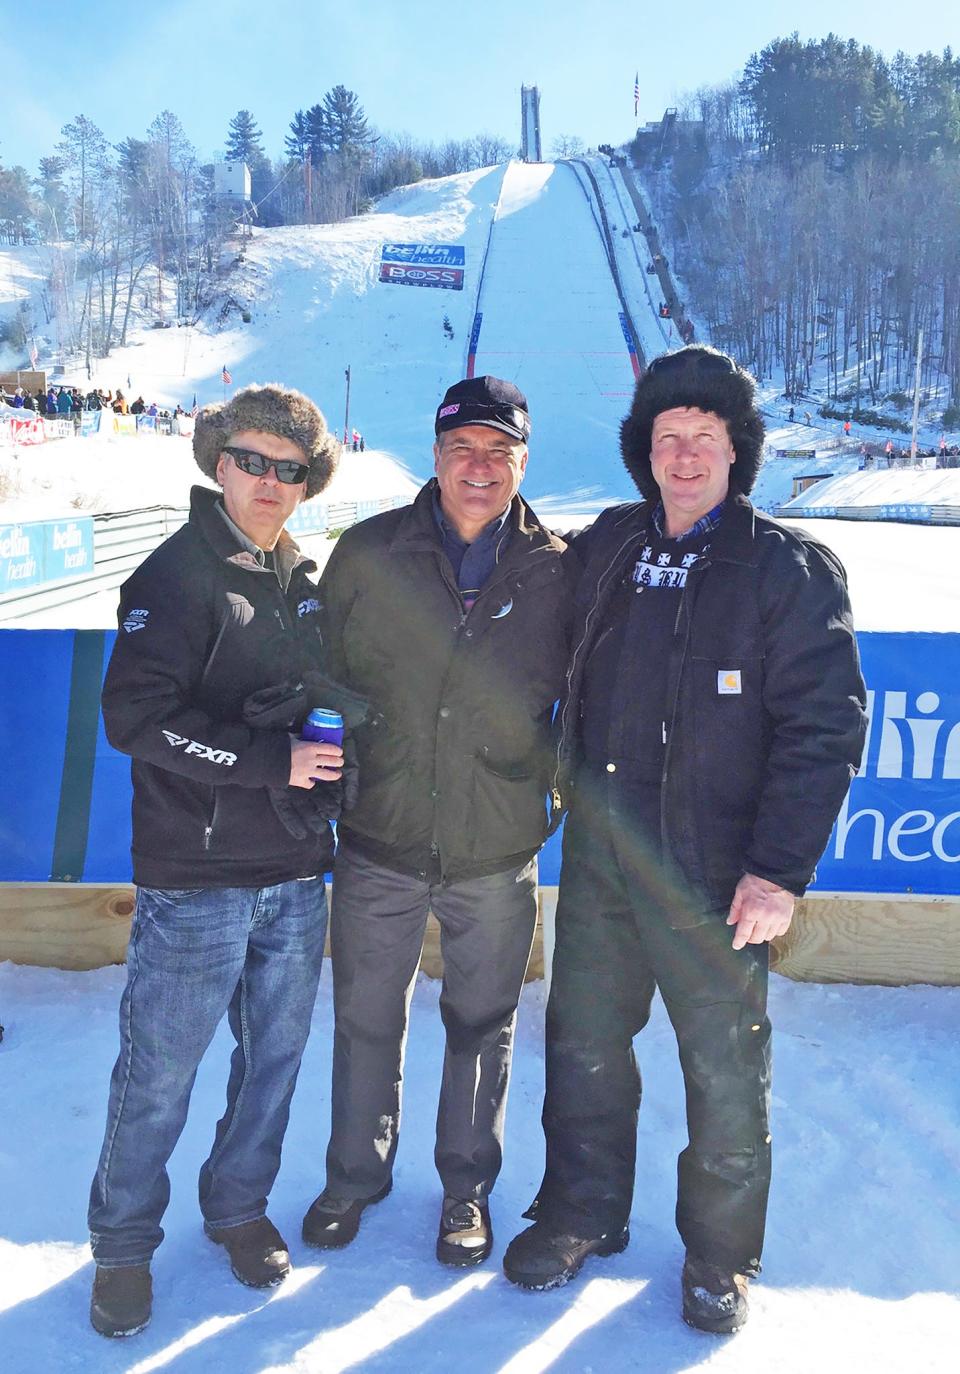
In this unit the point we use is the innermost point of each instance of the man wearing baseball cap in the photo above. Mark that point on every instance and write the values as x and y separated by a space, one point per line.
712 722
231 838
451 617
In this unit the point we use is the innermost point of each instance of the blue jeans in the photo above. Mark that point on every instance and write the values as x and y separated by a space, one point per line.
254 953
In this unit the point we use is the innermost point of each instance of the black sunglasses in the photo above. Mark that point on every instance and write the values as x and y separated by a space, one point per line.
248 460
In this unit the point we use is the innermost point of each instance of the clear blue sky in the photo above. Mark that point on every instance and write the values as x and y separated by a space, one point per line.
432 70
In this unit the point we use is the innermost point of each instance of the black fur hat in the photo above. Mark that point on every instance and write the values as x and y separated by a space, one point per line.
701 378
273 409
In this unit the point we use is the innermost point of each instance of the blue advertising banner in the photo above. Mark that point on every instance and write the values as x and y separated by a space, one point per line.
68 548
44 551
898 832
21 556
90 422
432 254
423 264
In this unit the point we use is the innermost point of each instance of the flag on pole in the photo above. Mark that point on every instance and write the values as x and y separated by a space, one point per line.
636 94
227 379
195 406
34 355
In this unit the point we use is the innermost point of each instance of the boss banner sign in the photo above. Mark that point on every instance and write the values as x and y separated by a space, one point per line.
423 264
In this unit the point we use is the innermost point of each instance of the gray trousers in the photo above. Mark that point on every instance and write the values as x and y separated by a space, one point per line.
377 924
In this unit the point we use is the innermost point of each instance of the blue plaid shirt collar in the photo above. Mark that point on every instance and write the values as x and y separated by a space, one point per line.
705 525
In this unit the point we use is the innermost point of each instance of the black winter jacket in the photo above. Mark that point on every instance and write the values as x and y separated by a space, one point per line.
456 754
201 626
753 777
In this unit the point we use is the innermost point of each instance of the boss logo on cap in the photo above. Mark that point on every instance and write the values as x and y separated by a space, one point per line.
448 410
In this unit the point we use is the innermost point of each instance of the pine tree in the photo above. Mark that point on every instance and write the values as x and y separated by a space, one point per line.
297 140
83 151
343 129
244 139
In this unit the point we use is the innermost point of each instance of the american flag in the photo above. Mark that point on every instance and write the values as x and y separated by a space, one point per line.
34 355
636 94
227 379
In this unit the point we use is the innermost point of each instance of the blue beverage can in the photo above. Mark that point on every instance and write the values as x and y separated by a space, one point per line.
323 727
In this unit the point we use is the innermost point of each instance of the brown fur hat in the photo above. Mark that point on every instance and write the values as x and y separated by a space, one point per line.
705 379
274 409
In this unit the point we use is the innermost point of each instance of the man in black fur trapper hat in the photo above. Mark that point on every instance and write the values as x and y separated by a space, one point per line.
713 721
218 633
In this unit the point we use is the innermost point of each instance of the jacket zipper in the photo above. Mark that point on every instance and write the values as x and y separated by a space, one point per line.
668 734
208 829
556 799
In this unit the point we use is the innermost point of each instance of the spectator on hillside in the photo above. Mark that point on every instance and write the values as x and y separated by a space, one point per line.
64 402
790 413
807 418
50 403
93 401
17 399
29 402
138 407
846 429
120 406
152 408
40 400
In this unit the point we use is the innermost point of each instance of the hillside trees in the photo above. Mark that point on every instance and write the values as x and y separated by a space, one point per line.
819 231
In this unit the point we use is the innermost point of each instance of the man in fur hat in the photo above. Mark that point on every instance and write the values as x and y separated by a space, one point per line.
231 838
713 721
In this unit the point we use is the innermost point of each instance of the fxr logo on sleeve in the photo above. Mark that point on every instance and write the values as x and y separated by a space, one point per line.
135 620
728 682
204 751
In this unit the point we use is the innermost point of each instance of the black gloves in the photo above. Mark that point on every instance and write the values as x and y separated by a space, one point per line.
285 707
303 812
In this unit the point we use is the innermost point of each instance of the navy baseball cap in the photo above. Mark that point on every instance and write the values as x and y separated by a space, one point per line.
485 401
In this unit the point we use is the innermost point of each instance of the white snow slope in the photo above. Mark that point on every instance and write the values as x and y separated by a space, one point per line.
863 1247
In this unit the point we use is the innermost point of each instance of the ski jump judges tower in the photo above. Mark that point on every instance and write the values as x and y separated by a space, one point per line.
530 124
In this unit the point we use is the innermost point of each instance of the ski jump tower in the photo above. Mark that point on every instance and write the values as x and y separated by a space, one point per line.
530 124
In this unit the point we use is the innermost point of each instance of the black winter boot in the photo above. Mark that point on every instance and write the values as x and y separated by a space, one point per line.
121 1301
258 1253
542 1257
465 1236
714 1298
332 1222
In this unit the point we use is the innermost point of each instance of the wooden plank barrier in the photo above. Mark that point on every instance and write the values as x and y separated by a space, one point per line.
87 926
831 940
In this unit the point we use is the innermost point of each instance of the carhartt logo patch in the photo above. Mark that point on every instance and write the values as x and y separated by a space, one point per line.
728 682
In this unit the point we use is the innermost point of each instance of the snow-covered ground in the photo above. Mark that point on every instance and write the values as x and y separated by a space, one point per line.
862 1257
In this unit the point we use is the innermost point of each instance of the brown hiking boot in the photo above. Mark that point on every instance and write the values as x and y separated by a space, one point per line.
542 1257
121 1300
258 1253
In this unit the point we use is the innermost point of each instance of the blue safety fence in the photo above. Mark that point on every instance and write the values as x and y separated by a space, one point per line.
67 815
